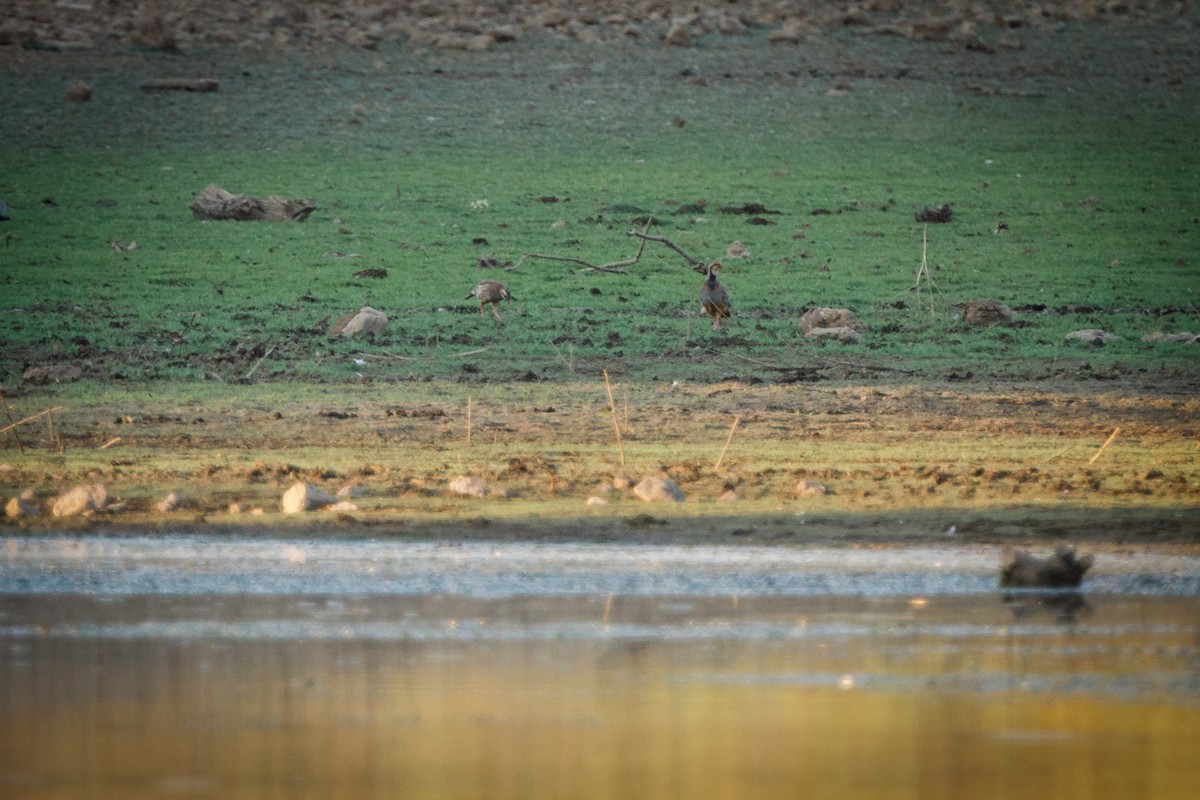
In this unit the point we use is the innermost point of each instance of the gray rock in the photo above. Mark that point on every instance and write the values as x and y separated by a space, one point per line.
657 489
363 322
468 486
305 497
1092 336
1184 337
810 489
822 317
984 312
80 500
843 334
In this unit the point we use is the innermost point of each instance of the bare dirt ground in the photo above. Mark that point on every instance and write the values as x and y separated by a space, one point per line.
885 464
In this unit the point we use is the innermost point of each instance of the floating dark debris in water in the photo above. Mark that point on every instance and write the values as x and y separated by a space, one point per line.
1062 569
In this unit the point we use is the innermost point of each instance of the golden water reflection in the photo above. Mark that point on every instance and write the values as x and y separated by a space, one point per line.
956 698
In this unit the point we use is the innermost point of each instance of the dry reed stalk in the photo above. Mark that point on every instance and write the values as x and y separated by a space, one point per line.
612 406
1107 442
1056 455
728 439
258 363
608 608
110 443
468 419
8 414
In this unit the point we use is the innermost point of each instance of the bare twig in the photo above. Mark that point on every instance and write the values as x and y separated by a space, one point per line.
110 442
30 419
614 266
8 414
258 363
923 271
611 266
695 262
468 419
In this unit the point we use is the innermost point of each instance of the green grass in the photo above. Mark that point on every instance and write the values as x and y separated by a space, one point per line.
203 301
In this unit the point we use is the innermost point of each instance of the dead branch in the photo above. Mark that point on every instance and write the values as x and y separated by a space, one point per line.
694 262
29 419
612 266
588 266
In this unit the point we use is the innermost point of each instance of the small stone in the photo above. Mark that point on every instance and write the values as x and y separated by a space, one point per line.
342 505
656 489
984 312
810 489
351 490
78 92
305 497
678 35
822 317
468 486
236 508
622 482
1092 336
842 335
172 502
595 500
730 497
737 250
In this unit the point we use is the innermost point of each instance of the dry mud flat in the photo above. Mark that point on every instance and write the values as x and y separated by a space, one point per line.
893 463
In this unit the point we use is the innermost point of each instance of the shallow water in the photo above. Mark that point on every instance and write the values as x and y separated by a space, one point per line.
183 667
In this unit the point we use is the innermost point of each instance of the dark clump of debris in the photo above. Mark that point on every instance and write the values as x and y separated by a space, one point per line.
1063 569
216 203
942 213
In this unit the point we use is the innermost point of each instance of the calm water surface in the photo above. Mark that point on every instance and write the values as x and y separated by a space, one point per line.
164 667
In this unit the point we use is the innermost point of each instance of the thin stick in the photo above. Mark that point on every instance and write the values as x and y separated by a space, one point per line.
8 414
110 443
1056 455
625 400
30 419
50 426
607 608
612 406
258 363
1107 442
468 419
728 439
695 262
